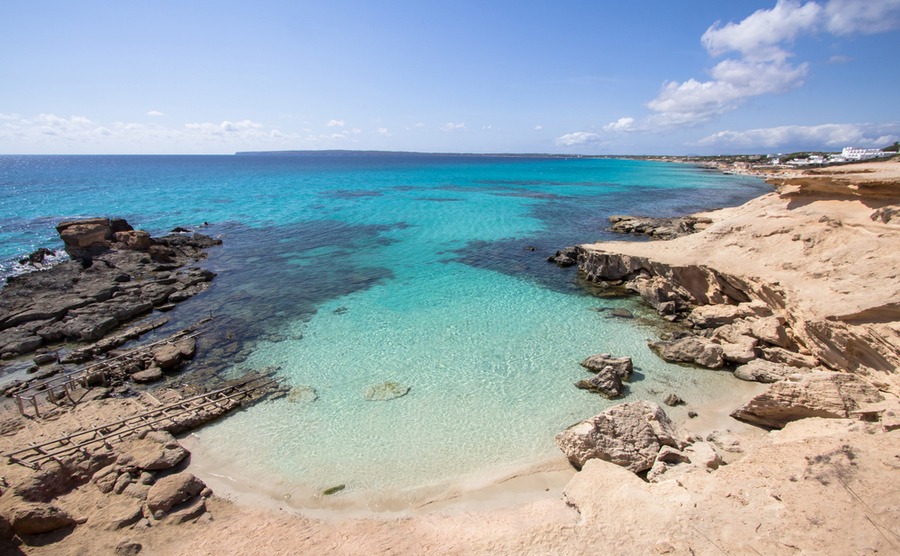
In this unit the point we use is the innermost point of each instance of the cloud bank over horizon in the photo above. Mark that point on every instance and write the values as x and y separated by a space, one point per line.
761 65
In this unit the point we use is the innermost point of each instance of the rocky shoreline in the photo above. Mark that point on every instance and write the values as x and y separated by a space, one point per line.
792 290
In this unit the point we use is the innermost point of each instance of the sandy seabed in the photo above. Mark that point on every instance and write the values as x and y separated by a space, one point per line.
817 486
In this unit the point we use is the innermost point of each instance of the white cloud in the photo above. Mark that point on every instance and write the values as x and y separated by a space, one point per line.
760 66
538 127
155 113
832 136
335 123
383 131
356 131
451 126
577 138
622 124
50 133
845 17
760 34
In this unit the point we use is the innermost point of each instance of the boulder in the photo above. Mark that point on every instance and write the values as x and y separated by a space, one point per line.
622 366
771 330
673 399
630 435
34 519
606 382
171 356
135 240
660 294
173 490
149 375
816 394
385 391
85 238
760 370
565 257
155 451
691 349
741 351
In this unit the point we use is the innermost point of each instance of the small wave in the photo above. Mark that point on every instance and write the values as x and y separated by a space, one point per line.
12 268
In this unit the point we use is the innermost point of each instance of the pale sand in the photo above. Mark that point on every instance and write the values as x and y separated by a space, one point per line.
816 487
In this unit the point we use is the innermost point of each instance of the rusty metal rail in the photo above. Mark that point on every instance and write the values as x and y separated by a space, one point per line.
175 414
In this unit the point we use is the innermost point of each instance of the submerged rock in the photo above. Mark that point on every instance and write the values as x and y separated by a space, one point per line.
300 394
385 391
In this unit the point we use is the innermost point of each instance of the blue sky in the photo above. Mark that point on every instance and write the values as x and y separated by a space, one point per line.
589 77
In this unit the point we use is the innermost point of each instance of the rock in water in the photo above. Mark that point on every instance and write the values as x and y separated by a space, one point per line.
692 349
300 394
385 391
607 383
628 434
600 361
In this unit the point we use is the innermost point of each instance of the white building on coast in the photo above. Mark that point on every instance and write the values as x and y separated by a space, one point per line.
852 153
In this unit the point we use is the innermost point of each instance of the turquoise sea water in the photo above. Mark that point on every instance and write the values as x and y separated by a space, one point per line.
348 270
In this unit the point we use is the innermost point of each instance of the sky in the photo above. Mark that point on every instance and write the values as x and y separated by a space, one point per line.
485 76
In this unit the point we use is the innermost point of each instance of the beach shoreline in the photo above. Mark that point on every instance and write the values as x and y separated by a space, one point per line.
774 484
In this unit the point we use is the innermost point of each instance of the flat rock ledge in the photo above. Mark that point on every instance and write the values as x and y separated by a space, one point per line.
658 228
816 394
736 320
116 274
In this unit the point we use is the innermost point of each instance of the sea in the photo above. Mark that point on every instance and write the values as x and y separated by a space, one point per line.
341 271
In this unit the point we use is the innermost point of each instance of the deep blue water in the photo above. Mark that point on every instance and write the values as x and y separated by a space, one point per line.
347 270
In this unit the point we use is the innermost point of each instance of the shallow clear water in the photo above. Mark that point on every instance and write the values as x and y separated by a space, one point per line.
351 270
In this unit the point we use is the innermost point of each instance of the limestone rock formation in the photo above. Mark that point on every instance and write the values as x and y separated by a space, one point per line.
106 284
691 349
173 490
629 434
622 366
607 382
153 451
658 228
760 370
36 518
816 394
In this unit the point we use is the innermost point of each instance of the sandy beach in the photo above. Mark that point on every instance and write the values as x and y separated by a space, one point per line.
820 252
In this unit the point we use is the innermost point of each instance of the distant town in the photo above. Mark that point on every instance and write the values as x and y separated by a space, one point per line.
750 162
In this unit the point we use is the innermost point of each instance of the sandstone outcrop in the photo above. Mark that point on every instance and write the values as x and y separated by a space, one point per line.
692 349
630 435
815 394
609 371
173 490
